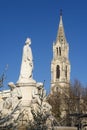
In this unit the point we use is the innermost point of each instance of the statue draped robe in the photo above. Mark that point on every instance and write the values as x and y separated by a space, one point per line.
27 64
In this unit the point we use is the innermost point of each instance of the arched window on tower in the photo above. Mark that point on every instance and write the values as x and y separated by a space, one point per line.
60 51
57 51
66 72
58 72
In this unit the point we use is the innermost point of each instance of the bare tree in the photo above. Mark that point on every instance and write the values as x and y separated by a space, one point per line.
75 103
54 101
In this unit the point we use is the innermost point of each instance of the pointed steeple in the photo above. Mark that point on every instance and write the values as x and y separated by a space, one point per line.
61 34
61 22
60 65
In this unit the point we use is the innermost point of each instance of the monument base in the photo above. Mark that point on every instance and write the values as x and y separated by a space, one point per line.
27 90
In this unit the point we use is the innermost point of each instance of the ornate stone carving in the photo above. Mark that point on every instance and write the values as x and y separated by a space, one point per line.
12 101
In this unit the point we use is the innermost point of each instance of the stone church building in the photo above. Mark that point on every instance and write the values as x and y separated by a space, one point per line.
60 64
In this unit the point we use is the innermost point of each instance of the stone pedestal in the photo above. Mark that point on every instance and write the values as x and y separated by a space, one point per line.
27 90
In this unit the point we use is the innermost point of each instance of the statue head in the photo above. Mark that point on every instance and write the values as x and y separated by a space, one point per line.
28 41
39 85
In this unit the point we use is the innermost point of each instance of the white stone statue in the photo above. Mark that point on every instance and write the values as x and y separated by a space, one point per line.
15 91
39 98
36 93
13 100
27 63
8 104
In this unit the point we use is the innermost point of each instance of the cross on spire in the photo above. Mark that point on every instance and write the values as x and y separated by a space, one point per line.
60 12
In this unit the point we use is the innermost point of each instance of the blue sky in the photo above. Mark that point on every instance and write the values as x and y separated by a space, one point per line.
39 20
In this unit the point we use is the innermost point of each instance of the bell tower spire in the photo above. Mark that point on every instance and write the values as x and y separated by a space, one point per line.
60 65
61 33
61 23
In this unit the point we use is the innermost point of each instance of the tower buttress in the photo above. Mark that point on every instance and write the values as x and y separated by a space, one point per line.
60 64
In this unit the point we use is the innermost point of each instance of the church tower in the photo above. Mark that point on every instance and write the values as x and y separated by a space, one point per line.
60 65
